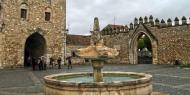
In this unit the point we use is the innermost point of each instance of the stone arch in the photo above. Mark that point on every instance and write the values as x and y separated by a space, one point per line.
133 44
35 47
48 9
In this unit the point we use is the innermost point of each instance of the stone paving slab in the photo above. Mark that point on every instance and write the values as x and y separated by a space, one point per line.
170 90
167 79
158 93
185 86
15 78
170 80
28 89
174 71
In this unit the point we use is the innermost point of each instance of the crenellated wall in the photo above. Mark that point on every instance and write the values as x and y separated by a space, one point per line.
170 40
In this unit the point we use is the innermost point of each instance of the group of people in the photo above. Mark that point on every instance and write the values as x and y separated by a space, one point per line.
52 62
41 63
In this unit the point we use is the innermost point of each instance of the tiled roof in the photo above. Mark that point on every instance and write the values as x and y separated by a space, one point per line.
78 40
114 27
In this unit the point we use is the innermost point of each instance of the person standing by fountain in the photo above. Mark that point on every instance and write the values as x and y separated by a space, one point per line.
51 62
44 65
33 63
69 62
40 64
59 62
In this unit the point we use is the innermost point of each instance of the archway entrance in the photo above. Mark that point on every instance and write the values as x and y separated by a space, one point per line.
144 50
149 50
35 47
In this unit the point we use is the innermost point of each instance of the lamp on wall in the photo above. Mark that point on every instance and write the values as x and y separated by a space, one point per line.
2 27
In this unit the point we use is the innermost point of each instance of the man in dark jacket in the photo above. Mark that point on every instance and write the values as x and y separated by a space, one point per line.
69 62
33 63
59 62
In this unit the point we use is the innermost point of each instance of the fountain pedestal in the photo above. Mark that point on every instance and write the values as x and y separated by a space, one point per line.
97 65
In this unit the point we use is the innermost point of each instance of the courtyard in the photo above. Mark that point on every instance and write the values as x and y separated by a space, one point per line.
166 78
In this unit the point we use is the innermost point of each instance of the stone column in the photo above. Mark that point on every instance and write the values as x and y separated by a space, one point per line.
97 70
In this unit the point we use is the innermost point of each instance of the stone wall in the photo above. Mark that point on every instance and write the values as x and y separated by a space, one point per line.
17 30
72 48
169 42
120 42
173 44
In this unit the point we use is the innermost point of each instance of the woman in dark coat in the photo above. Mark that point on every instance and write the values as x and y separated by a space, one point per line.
69 62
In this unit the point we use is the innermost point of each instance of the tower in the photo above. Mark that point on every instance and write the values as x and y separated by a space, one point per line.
26 20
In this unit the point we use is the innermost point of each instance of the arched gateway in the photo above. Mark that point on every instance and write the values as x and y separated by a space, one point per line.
133 45
35 47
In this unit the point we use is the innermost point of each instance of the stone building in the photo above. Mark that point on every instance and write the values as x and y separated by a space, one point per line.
31 28
169 40
75 42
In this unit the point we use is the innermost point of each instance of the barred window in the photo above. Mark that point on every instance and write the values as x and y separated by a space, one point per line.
47 16
24 13
49 1
1 7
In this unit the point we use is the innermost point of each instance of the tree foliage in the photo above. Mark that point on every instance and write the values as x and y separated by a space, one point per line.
144 42
141 44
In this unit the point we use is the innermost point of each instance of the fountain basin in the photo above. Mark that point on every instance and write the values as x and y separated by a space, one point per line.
126 83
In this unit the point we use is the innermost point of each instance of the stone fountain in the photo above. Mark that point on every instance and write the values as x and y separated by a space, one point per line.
98 82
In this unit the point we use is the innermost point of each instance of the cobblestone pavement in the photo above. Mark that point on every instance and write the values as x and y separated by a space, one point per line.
167 79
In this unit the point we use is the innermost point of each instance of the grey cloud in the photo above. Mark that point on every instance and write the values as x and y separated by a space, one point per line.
80 13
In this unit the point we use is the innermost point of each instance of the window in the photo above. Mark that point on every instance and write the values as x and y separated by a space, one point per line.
49 1
23 13
1 7
47 16
24 10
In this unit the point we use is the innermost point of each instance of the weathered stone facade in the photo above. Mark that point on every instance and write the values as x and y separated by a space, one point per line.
17 30
75 42
169 42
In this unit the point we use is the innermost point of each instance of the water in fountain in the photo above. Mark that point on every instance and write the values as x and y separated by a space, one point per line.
108 78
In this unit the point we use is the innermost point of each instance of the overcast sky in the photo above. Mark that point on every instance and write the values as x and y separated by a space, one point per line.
80 13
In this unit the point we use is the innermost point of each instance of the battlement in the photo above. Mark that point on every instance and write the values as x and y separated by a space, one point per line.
116 29
159 23
169 39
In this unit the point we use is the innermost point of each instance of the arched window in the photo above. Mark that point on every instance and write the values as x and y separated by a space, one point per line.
47 14
23 11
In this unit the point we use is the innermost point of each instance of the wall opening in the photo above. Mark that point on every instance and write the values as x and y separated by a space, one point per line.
150 48
144 49
35 47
